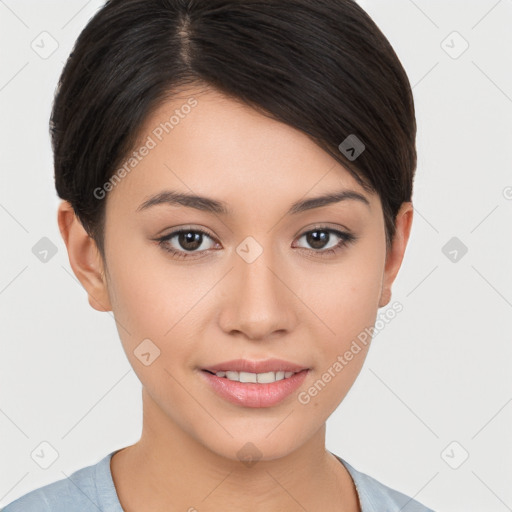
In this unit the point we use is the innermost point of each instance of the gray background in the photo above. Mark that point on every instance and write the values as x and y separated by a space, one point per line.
436 387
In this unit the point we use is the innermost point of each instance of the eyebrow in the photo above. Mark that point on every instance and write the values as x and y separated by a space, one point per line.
210 205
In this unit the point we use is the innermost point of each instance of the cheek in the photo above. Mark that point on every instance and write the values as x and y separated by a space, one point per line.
345 296
345 299
150 302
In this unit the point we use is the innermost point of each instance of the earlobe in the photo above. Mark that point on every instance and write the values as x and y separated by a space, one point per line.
84 257
396 252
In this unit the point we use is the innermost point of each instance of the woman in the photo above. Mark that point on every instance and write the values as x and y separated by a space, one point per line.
236 181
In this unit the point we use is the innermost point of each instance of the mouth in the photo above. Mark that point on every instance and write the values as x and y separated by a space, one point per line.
255 383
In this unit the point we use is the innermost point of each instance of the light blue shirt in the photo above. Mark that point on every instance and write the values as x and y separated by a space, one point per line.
91 489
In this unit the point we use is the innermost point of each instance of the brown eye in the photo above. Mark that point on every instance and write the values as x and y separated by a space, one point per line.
184 241
190 240
317 239
324 241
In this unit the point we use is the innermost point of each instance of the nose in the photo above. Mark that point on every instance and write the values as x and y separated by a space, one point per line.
259 301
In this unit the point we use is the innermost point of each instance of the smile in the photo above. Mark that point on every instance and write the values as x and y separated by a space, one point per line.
250 383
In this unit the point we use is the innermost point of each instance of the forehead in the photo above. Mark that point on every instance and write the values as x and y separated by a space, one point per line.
205 143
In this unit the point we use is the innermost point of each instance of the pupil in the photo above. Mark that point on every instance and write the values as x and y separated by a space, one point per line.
189 240
317 239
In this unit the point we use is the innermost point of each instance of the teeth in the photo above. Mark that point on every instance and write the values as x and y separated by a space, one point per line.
261 378
248 377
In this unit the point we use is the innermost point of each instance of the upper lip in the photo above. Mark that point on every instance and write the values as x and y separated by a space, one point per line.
246 365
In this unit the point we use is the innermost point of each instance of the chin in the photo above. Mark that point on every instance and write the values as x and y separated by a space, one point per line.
260 443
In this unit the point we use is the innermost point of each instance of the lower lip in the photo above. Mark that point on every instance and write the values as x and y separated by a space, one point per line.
249 394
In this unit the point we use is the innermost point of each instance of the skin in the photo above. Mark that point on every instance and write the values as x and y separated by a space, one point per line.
290 303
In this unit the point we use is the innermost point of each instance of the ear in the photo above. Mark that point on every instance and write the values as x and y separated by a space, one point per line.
84 257
396 252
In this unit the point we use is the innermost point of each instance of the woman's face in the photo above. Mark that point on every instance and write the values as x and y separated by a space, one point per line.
261 284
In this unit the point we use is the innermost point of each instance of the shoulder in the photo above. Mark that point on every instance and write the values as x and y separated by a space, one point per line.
374 496
89 488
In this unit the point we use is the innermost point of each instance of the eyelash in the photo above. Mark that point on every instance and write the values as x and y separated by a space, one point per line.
346 239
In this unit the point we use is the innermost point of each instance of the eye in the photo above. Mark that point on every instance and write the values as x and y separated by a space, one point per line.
187 241
320 237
